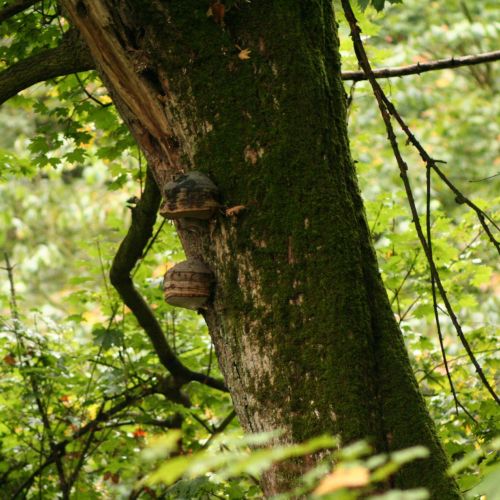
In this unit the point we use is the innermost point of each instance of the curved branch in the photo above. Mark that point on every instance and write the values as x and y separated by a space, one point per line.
127 256
71 56
14 8
417 69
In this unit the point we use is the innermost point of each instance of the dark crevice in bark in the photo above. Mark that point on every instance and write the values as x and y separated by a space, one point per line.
127 256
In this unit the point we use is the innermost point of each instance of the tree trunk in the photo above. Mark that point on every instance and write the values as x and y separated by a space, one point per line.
301 322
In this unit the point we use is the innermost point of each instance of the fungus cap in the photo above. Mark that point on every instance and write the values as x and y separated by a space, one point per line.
192 195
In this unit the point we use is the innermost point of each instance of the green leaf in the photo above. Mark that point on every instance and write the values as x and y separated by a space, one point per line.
169 472
107 337
76 156
415 494
488 486
378 4
397 459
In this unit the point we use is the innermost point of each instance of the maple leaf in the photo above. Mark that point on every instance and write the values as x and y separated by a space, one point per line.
244 54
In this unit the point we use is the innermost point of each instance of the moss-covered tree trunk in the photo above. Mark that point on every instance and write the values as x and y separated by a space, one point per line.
302 326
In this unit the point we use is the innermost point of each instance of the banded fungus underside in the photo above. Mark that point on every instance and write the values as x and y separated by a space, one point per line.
188 284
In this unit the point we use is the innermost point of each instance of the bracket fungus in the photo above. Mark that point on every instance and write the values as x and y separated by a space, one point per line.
188 284
190 196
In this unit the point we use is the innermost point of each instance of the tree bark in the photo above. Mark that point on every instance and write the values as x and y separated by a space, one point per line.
301 322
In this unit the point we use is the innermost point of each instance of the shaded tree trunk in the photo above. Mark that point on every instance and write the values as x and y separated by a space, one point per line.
301 322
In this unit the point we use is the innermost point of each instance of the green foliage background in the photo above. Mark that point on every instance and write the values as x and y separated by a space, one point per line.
68 167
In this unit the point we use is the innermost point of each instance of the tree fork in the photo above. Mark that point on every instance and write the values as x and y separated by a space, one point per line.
301 322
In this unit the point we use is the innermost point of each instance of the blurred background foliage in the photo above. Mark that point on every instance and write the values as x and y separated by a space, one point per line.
68 167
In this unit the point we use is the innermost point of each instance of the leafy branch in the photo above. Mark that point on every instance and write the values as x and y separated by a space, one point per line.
387 110
32 379
13 8
70 56
58 450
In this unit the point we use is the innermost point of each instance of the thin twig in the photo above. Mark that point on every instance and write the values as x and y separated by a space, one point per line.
91 96
434 298
149 246
485 178
221 428
450 361
209 429
408 309
83 453
406 276
372 229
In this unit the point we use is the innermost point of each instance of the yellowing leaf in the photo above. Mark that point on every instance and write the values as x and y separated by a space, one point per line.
343 477
244 54
92 411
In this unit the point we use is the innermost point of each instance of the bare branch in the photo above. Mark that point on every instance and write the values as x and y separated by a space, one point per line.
127 256
485 178
71 56
417 69
13 8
